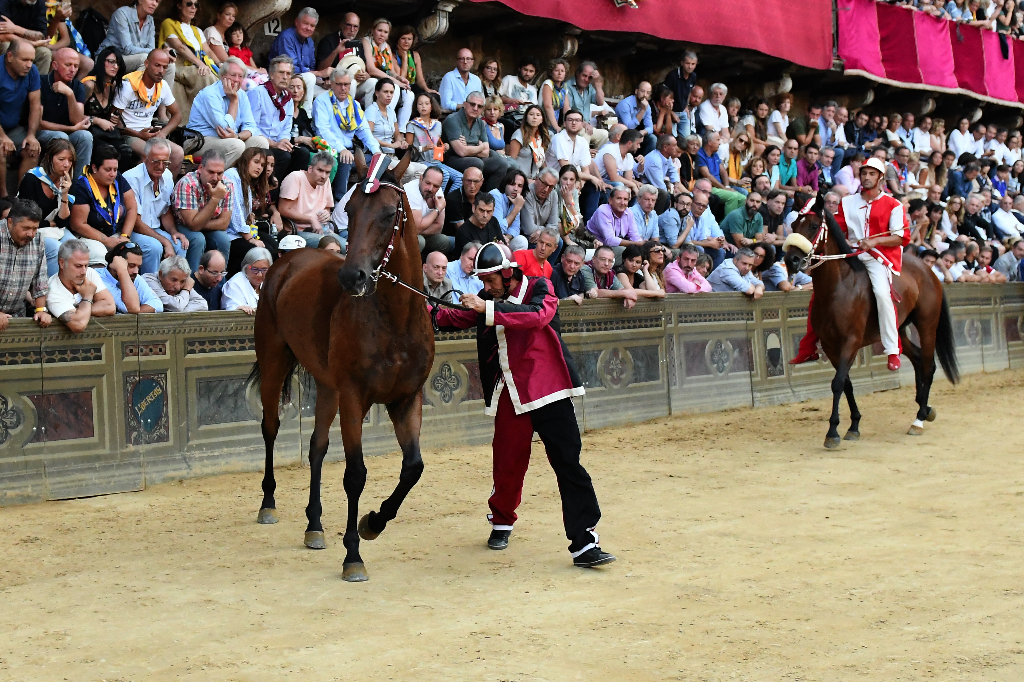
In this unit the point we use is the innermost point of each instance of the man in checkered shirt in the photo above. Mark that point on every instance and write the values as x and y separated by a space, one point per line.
202 204
22 264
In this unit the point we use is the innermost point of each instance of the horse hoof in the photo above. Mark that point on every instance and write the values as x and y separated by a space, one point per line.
832 442
915 430
932 414
355 573
365 532
266 516
852 435
315 539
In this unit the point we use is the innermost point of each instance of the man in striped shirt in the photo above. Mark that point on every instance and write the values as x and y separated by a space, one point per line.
22 264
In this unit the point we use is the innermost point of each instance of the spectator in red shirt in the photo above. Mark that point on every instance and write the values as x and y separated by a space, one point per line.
535 263
807 170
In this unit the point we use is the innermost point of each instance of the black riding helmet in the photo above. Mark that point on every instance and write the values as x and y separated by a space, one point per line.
493 257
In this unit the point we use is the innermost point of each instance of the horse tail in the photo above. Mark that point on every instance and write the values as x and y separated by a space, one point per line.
255 376
945 345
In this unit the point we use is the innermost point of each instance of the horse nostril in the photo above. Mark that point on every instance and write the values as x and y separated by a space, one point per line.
360 278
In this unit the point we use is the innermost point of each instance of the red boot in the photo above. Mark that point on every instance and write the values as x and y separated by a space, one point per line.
894 362
808 350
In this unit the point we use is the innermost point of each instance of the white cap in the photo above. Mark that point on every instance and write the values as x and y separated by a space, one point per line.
875 163
291 242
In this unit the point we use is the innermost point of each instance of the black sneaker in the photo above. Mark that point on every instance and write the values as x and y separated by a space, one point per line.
498 539
593 557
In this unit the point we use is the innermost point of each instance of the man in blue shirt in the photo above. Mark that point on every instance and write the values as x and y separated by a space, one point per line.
271 106
19 83
121 276
961 182
153 185
459 82
221 112
659 169
709 164
586 89
339 119
644 216
735 275
297 43
705 233
461 273
635 112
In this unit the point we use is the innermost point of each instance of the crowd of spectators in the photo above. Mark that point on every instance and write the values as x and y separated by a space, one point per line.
1003 16
673 188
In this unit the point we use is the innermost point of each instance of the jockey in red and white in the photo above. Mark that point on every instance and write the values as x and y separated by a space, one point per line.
875 224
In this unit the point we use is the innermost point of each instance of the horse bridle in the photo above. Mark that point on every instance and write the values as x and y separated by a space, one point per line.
381 269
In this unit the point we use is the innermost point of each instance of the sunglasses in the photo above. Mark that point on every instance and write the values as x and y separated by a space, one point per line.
258 271
191 4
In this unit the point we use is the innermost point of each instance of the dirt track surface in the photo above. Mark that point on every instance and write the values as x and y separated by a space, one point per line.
746 551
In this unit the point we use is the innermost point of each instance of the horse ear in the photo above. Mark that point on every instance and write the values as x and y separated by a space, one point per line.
360 162
819 204
402 166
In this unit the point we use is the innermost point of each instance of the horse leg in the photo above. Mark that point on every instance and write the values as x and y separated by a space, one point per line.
838 386
406 415
272 377
923 358
854 432
326 408
352 415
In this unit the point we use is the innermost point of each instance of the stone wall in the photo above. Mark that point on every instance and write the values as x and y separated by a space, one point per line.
137 400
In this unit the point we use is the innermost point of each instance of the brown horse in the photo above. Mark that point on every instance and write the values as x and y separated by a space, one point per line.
845 316
360 343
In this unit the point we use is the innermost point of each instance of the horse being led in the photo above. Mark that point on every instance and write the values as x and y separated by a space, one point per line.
844 313
361 340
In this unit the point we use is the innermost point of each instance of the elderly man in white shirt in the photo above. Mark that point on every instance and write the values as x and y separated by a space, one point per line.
712 112
1004 221
172 284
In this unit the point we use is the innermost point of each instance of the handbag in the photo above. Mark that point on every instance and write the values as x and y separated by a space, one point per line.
191 141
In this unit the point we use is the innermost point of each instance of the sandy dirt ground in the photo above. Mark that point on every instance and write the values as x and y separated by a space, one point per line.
746 552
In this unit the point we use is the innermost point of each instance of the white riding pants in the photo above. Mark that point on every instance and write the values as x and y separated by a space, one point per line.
882 287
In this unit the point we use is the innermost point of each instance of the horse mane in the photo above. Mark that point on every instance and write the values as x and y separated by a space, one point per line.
835 233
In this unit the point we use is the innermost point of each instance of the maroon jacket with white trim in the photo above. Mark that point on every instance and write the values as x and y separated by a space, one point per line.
519 346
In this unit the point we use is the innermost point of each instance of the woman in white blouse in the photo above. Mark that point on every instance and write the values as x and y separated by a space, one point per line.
961 140
215 34
242 292
382 119
779 120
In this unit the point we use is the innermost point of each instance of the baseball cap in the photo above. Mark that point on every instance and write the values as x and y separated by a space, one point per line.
291 242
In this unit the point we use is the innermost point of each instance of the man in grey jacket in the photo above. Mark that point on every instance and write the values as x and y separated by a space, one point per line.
1009 262
172 284
541 207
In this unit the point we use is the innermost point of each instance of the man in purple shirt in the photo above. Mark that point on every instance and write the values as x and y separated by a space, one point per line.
613 223
297 43
807 170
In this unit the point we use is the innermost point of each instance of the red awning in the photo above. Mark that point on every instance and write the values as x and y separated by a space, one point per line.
896 45
799 31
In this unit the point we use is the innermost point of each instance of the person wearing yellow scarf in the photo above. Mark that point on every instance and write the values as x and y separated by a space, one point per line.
195 66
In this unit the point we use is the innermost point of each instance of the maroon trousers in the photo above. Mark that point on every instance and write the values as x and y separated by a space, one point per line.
513 435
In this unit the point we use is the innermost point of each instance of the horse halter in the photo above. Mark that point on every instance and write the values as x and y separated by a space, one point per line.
373 183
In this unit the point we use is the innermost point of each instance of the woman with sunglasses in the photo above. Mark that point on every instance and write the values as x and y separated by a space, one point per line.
739 156
380 64
103 211
100 88
242 292
196 67
634 274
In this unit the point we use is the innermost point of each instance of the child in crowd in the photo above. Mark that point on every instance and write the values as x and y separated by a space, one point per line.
237 38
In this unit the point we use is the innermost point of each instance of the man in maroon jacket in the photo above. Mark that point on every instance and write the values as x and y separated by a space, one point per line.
529 379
